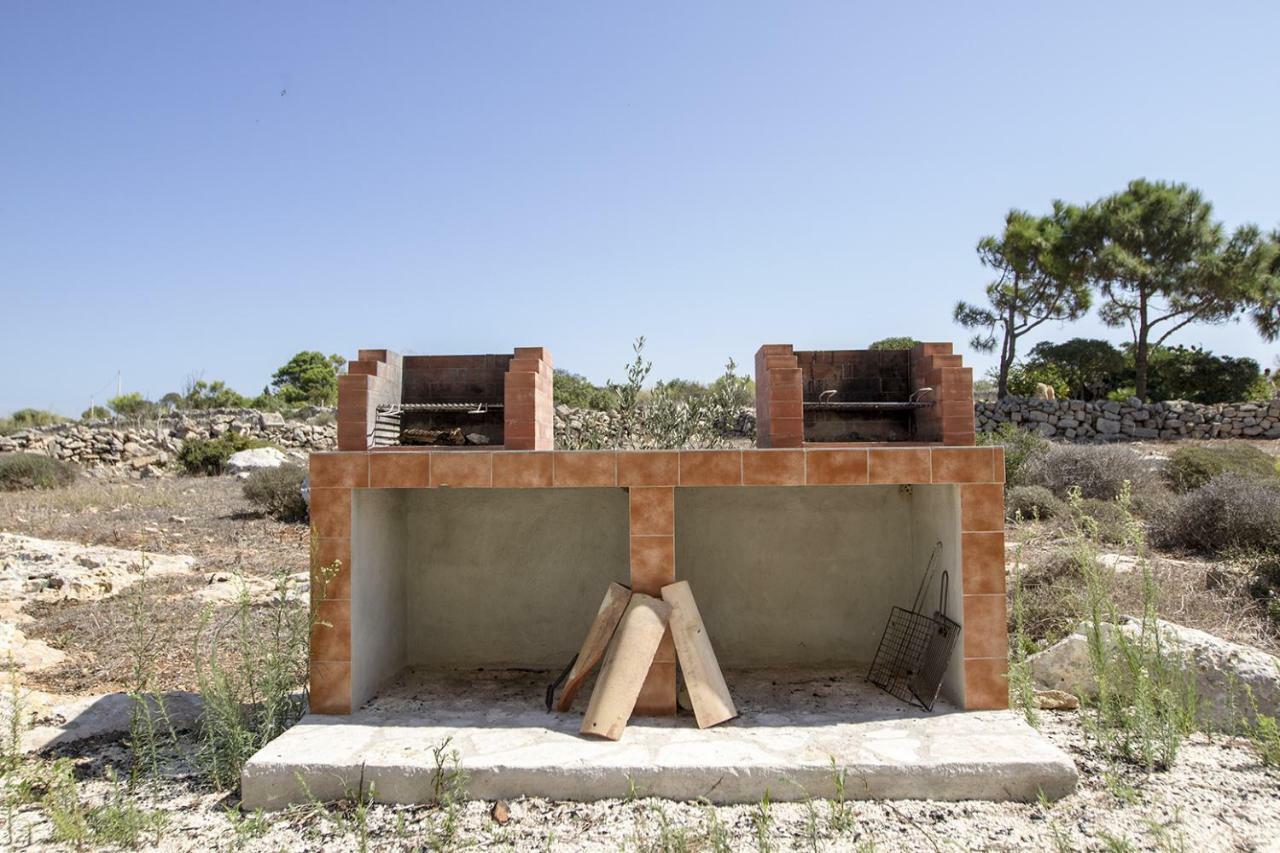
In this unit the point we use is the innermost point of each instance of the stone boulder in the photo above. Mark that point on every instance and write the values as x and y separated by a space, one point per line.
248 461
1220 668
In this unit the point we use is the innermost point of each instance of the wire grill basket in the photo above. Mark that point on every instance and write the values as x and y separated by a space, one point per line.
915 648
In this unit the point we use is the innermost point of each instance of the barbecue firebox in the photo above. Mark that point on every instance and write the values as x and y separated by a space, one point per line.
923 394
466 556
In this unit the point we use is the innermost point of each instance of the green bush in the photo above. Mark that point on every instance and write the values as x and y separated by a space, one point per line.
571 389
21 471
1230 512
1020 447
28 419
1030 503
1099 471
901 342
1191 467
278 492
1088 365
1107 521
1197 375
1024 377
208 456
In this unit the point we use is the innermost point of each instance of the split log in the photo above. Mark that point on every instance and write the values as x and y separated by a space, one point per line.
597 641
708 692
626 664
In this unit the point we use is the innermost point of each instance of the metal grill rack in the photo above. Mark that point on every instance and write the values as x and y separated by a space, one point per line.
916 648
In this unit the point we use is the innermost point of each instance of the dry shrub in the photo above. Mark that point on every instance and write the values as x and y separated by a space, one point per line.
1190 468
1032 503
22 471
278 492
1230 512
1099 472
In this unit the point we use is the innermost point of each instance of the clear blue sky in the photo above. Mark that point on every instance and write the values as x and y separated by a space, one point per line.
212 187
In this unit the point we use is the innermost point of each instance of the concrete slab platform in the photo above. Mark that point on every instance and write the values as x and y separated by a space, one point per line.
793 726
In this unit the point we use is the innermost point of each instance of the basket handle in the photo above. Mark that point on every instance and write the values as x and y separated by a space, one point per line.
918 602
944 587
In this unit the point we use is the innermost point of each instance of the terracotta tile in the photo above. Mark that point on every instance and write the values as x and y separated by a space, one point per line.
997 463
710 467
372 355
462 469
331 631
334 556
653 563
790 393
962 465
407 470
653 511
666 652
986 684
982 562
339 469
648 468
982 506
331 513
773 467
836 467
353 435
586 468
986 633
898 465
521 470
330 690
934 348
658 695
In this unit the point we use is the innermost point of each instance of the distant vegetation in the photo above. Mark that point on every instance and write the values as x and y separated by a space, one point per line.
1092 369
209 456
1157 262
894 343
27 419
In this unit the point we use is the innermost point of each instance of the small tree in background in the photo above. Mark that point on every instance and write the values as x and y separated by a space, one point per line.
1089 366
1040 279
901 342
577 391
309 377
1160 262
132 405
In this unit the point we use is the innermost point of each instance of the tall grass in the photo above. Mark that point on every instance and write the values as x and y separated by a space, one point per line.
251 667
1145 702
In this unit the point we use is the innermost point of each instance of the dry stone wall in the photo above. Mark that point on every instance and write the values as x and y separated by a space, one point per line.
1132 420
147 449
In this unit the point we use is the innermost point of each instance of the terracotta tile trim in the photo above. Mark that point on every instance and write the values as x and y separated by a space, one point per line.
980 464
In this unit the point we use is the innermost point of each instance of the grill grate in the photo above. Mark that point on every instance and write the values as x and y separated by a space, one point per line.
915 648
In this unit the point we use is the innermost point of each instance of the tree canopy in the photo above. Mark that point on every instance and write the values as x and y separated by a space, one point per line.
309 377
1040 277
1160 261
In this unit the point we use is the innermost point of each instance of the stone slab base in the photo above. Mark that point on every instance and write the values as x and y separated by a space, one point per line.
793 725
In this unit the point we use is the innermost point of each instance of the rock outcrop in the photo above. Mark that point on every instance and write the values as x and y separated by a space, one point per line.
1225 673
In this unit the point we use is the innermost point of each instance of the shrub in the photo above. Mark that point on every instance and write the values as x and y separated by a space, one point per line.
1089 366
1195 374
21 471
28 419
1229 512
1107 521
571 389
1191 467
1023 379
1020 446
209 456
278 492
900 342
1032 503
1098 471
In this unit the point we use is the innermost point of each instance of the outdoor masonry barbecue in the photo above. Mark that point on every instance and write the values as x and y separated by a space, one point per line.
492 552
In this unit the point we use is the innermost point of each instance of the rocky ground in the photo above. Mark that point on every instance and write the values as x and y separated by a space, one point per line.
1218 795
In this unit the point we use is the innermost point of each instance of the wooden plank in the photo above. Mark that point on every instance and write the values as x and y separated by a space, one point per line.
625 666
596 642
708 692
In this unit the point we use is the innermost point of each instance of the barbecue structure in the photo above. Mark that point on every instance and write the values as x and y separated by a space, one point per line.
493 553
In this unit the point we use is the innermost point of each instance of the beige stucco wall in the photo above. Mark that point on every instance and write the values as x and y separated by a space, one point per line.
509 577
786 576
936 518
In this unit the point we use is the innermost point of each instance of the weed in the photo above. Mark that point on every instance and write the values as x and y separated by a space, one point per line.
1145 703
252 673
715 833
149 723
762 821
1263 732
1022 688
840 820
247 826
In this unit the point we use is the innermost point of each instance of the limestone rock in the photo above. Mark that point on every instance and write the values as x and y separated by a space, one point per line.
247 461
1219 668
1056 700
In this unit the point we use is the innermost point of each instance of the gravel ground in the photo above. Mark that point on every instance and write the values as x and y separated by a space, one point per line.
1217 797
